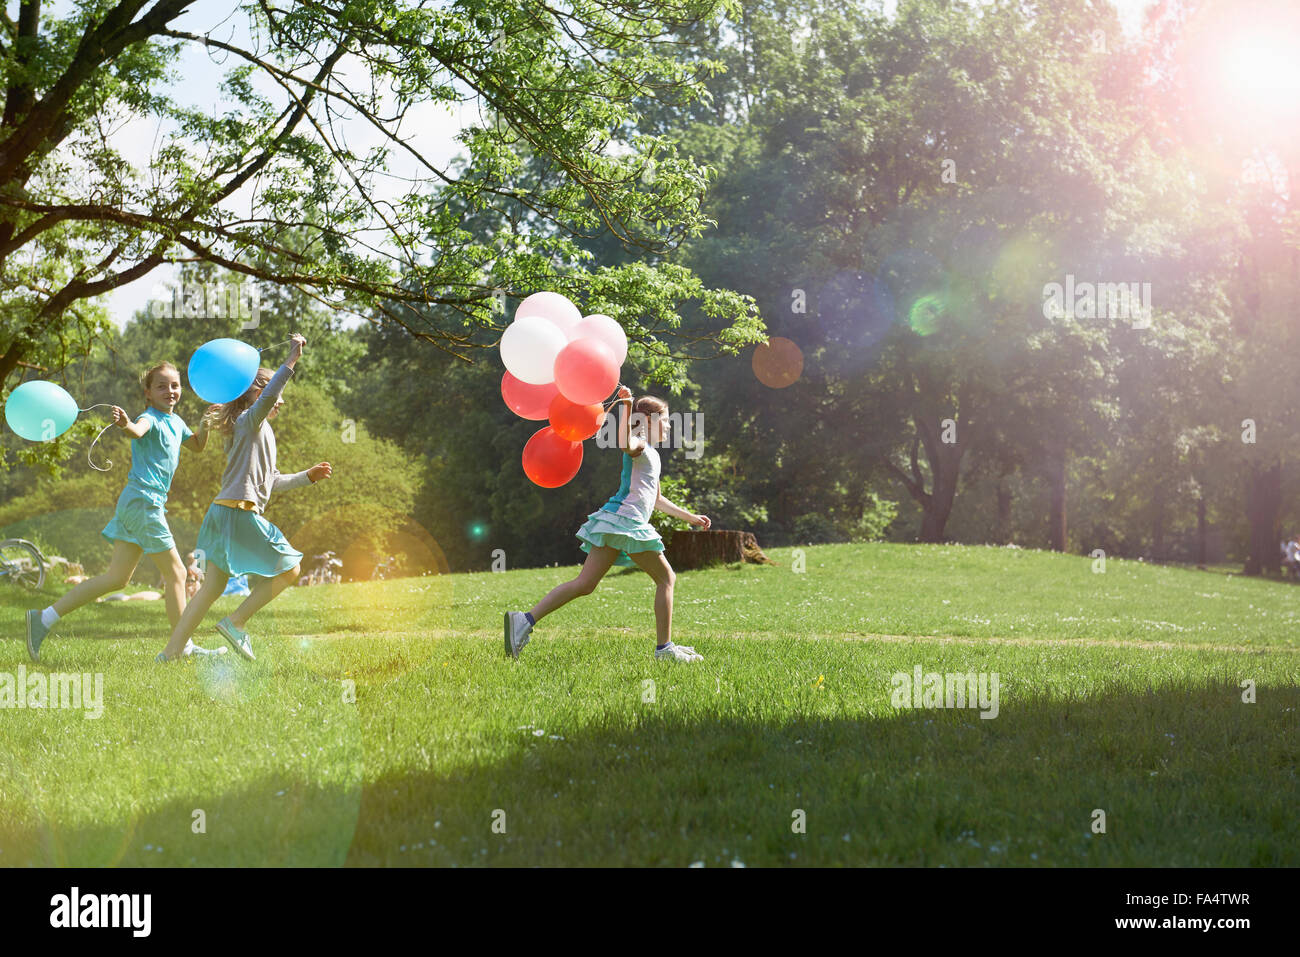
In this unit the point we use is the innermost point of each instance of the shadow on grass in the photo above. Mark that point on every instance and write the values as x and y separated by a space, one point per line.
1186 776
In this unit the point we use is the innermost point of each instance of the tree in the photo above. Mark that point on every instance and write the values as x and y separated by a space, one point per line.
77 219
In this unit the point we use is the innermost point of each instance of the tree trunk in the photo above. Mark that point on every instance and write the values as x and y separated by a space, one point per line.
1202 533
1003 531
939 506
1158 523
699 549
1263 502
1057 530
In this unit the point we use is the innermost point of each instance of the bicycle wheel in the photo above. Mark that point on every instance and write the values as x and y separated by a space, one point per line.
22 564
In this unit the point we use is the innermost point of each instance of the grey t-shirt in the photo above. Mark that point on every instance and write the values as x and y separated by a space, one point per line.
250 474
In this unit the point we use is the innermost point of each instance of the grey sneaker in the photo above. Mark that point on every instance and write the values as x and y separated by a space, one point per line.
36 633
673 652
240 639
516 633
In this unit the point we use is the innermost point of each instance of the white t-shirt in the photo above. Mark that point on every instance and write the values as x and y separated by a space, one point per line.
638 489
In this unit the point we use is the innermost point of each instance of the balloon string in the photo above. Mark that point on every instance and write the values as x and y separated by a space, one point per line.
98 405
92 448
274 344
611 402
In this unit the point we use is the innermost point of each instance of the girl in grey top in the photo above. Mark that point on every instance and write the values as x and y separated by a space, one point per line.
235 539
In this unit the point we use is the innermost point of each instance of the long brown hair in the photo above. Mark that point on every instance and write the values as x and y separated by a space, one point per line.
223 415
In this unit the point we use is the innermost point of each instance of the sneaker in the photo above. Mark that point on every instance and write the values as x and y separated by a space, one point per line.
240 639
677 653
36 633
192 650
516 633
162 658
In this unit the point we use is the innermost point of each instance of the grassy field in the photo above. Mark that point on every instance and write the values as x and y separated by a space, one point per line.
1119 692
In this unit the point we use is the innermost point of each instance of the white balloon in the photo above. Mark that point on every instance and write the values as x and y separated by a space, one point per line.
607 330
552 307
529 347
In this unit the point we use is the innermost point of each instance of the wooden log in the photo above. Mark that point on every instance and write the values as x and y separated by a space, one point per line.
699 549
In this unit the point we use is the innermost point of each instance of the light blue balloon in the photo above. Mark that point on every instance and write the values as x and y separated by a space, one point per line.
40 411
223 369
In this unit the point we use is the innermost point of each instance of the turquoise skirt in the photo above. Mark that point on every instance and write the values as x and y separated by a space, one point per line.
141 520
611 530
244 543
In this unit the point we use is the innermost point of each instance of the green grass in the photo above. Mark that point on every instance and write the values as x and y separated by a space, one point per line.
1118 691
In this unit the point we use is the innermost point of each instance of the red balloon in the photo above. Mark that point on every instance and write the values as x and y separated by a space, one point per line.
575 422
550 461
527 400
586 370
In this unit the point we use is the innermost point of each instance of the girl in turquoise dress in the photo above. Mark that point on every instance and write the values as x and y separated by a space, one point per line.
139 523
620 533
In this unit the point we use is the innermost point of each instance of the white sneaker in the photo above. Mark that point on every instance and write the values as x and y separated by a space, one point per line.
677 653
516 632
192 650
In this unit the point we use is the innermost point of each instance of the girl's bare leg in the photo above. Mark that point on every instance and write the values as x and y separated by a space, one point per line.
657 567
172 570
214 583
260 591
599 561
120 569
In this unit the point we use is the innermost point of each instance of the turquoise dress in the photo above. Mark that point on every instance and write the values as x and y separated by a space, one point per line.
624 521
140 516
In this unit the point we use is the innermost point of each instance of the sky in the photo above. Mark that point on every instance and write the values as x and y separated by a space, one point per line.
432 128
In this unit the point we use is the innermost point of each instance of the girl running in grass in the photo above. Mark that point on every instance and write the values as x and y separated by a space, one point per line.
619 533
139 523
235 539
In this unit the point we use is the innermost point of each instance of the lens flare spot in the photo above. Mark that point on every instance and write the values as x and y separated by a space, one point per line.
778 363
925 313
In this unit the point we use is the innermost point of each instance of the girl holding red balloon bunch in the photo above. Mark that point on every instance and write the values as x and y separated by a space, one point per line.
234 537
619 533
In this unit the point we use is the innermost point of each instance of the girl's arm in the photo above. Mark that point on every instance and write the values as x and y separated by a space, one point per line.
123 421
266 401
668 508
281 482
199 440
633 445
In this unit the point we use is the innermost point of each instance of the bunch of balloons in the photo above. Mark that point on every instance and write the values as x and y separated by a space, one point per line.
559 367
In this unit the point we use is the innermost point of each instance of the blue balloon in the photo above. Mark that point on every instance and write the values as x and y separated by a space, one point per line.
223 369
40 411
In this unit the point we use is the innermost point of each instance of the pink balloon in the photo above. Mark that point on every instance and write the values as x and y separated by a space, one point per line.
597 326
552 307
526 400
586 371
